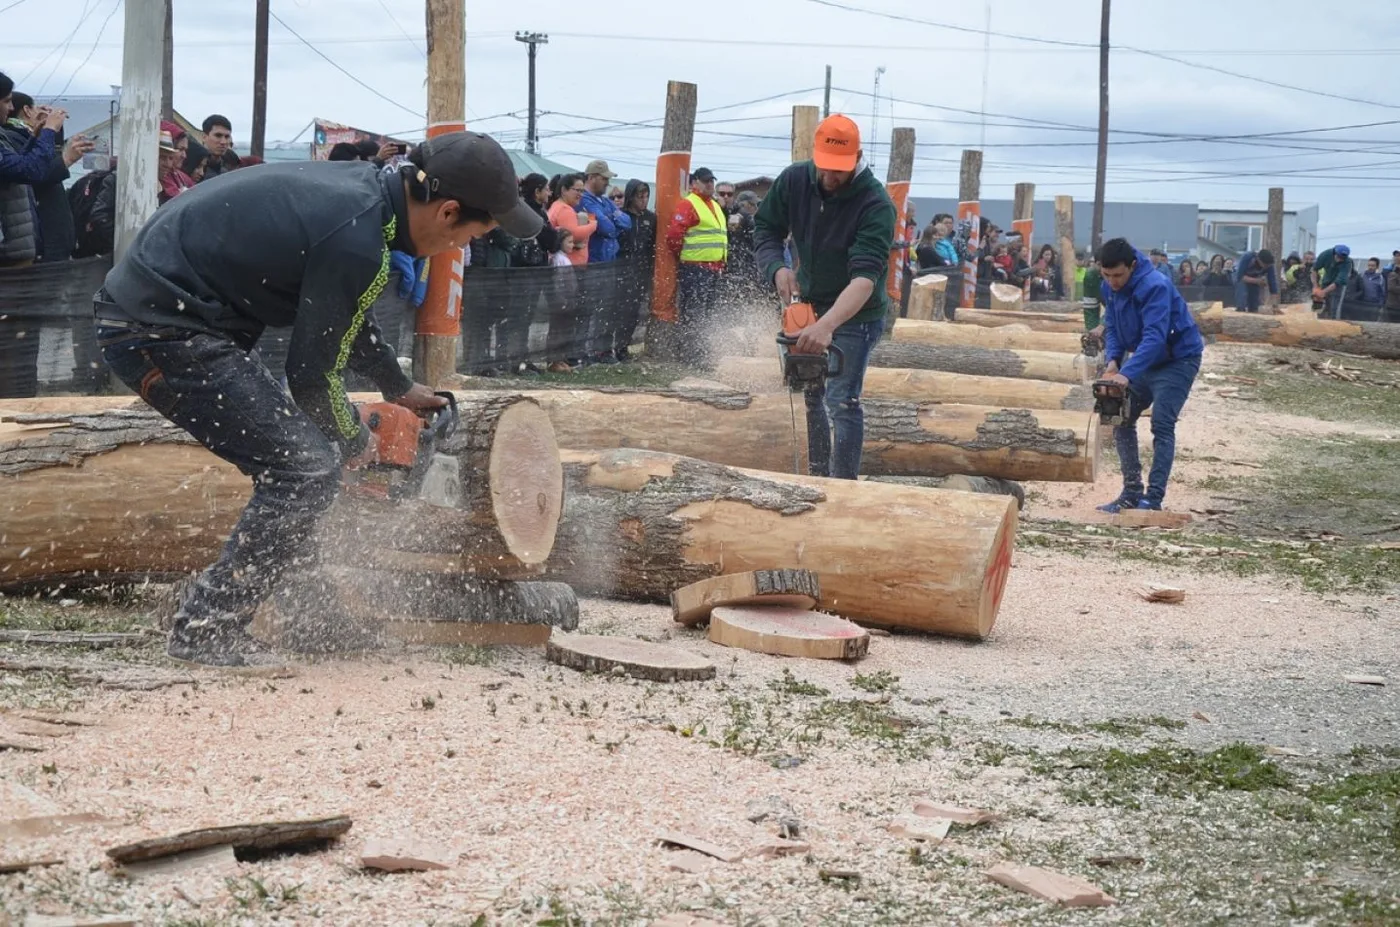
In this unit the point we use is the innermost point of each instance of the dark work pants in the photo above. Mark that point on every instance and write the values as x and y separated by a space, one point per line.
231 404
697 300
1165 389
836 407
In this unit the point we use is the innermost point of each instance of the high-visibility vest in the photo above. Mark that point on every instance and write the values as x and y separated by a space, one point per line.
708 242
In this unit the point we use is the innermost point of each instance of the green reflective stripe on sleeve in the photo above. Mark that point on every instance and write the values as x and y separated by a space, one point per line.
345 422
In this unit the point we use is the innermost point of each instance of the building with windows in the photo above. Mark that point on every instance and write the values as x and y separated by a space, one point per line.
1234 231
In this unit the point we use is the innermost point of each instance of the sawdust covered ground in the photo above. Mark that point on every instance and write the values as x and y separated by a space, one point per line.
1214 749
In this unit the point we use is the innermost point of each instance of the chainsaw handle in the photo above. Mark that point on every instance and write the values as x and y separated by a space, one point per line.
442 423
835 357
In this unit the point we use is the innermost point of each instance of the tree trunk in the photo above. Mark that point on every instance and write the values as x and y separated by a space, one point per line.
1373 339
640 524
758 375
960 483
117 489
1006 297
989 362
1035 321
1007 336
926 295
901 438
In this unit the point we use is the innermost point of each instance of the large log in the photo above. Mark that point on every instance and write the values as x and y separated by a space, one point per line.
1007 336
640 524
1005 296
758 375
1373 339
103 485
926 295
901 438
1035 321
988 362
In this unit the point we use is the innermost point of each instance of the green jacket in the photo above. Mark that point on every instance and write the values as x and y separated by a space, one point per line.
836 237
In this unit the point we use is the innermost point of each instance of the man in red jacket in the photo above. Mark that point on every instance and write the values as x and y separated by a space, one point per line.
699 237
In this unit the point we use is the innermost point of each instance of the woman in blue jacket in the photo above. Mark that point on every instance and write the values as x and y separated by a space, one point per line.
1153 347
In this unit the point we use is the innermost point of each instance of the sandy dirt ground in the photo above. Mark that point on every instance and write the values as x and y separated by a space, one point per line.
550 787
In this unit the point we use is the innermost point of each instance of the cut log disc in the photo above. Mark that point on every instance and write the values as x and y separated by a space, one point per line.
600 654
797 589
527 481
788 632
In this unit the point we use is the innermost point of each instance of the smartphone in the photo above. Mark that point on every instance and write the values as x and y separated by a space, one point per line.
401 148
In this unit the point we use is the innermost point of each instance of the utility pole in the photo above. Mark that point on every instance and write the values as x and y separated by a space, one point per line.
532 39
259 138
139 119
1101 169
826 95
167 57
438 323
970 212
672 184
875 116
804 132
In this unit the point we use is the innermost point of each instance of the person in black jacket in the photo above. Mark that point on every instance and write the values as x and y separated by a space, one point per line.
51 206
530 278
637 251
304 245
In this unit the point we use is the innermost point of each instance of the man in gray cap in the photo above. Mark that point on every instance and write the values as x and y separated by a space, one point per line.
304 245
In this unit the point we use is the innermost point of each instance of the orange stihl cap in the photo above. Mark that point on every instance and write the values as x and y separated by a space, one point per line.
837 145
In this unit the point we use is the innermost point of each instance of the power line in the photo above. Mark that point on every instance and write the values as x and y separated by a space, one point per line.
110 13
333 64
402 31
63 44
899 17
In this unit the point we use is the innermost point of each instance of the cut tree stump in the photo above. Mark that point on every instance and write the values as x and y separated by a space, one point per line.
902 438
443 609
269 835
792 588
405 855
971 360
105 485
1069 891
1007 336
1035 321
788 632
926 295
638 525
1005 296
600 654
761 375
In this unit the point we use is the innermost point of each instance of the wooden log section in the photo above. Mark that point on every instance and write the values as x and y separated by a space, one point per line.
640 524
960 483
1373 339
1054 366
759 375
110 487
1006 336
1004 296
927 293
799 589
788 632
1035 321
901 438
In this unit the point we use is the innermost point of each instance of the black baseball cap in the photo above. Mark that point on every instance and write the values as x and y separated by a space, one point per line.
475 170
704 175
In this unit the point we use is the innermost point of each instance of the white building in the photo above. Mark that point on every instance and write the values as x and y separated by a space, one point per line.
1234 231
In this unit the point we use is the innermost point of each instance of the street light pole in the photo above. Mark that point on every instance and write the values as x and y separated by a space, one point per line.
532 39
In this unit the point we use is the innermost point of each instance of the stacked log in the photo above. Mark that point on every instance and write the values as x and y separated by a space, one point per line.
1035 321
1054 366
1016 337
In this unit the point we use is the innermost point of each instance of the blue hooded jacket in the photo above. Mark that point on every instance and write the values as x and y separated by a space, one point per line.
603 244
1150 318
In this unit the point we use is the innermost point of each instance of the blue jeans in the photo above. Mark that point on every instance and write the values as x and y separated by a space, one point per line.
836 407
230 403
1165 389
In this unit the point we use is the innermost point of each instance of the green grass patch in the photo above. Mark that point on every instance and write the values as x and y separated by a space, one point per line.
1297 390
879 681
1120 777
789 684
92 612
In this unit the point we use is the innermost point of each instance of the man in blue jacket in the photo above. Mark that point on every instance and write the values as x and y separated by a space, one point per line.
1254 270
1148 319
598 288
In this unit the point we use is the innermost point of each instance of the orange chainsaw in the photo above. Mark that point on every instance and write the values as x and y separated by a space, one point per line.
409 465
802 371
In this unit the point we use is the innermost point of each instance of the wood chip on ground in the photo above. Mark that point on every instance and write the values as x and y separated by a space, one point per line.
1066 890
913 827
969 816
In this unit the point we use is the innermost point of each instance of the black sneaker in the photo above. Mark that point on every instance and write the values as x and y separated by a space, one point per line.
221 645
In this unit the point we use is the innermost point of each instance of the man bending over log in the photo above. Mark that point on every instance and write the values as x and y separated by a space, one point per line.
1147 318
842 225
301 245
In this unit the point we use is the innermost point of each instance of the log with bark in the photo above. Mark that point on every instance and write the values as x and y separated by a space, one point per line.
640 524
759 375
1007 336
960 483
1035 321
1373 339
104 485
989 362
926 295
901 438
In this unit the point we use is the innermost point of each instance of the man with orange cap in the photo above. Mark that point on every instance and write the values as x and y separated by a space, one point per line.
842 225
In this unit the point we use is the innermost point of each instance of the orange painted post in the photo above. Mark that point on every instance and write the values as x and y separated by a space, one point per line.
970 216
438 322
672 185
897 178
1023 223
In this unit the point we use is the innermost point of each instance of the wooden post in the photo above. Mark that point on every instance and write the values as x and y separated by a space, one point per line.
438 327
1101 166
804 131
1064 232
897 177
970 214
672 183
139 118
259 134
167 80
1023 222
1273 235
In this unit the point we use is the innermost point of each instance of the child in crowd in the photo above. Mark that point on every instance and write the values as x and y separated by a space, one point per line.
563 324
560 258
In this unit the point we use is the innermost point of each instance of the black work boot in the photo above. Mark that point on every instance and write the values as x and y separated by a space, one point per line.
221 643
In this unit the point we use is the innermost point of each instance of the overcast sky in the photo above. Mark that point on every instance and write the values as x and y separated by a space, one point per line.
608 63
